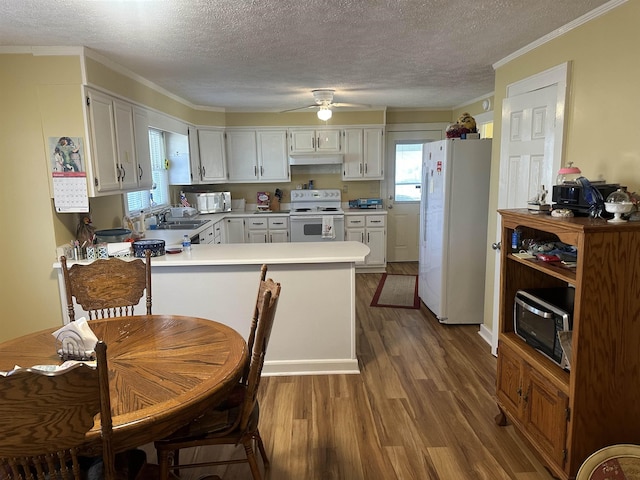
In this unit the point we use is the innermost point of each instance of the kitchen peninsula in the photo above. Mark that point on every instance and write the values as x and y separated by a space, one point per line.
314 330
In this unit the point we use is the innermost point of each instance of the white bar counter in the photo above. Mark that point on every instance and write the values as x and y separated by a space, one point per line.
314 329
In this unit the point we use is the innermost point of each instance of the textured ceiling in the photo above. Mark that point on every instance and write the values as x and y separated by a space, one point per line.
269 54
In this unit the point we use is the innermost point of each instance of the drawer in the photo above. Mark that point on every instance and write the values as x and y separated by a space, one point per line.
375 220
256 223
354 221
278 223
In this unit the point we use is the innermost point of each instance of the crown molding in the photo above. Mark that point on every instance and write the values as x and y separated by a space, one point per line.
587 17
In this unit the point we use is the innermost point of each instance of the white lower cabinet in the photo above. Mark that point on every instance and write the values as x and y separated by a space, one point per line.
369 229
267 229
206 236
234 230
218 232
278 229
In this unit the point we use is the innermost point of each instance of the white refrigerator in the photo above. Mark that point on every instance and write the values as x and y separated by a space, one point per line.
453 228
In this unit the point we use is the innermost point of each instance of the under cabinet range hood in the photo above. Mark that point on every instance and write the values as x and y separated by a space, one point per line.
316 159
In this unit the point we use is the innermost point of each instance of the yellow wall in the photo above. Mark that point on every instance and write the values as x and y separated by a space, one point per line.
473 109
601 137
418 116
39 99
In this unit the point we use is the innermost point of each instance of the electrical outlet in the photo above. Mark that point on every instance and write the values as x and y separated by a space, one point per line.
345 188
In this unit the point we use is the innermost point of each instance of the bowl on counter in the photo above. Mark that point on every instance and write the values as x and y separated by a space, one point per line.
156 247
112 235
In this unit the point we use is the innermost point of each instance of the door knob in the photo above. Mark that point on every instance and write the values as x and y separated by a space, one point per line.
496 246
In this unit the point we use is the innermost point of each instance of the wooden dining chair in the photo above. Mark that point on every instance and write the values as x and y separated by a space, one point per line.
235 420
44 417
108 287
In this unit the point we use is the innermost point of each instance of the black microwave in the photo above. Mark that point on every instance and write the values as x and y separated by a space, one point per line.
539 314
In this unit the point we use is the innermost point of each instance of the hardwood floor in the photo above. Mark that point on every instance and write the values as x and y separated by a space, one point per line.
422 408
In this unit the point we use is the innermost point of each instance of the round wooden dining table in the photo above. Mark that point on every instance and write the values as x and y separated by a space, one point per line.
164 370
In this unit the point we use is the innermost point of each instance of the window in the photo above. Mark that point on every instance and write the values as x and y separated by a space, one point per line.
408 172
159 194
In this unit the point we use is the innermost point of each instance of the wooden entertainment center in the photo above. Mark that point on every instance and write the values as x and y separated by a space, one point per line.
568 415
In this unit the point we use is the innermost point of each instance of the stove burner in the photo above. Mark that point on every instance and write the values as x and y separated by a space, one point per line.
302 210
330 209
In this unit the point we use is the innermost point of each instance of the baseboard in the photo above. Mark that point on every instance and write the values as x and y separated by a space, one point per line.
486 334
310 367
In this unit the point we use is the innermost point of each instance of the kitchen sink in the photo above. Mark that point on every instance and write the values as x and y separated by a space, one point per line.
181 225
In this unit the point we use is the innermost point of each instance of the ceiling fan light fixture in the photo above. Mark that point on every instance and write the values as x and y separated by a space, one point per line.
324 113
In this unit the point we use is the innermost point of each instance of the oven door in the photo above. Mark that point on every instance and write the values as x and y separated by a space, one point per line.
308 228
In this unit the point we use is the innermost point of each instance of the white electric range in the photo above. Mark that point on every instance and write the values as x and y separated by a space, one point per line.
316 216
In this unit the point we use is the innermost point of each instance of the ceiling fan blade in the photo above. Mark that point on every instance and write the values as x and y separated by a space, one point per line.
300 108
340 104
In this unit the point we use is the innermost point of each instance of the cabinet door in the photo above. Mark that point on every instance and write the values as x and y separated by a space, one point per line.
242 157
328 141
194 173
509 380
206 236
373 153
273 160
278 236
352 166
212 156
375 240
125 144
257 236
355 235
234 232
302 141
218 232
545 414
103 141
143 155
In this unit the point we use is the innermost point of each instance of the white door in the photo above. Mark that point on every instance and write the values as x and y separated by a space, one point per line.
530 149
403 216
526 164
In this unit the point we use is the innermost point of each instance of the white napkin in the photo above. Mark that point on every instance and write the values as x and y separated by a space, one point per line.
118 249
327 227
77 340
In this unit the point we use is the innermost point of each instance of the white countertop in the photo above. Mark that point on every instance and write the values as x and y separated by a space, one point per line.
259 253
174 237
272 253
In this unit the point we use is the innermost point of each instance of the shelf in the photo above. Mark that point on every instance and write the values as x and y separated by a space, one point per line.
559 271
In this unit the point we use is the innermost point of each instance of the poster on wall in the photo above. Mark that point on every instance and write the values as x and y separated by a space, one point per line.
69 178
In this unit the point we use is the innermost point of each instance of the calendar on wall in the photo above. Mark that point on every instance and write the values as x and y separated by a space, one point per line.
69 178
70 192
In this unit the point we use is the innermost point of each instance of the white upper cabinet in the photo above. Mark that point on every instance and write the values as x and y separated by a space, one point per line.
363 154
206 161
257 155
213 165
103 142
114 153
242 155
314 141
273 161
143 155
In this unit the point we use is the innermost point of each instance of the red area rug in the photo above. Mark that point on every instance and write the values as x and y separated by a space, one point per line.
397 291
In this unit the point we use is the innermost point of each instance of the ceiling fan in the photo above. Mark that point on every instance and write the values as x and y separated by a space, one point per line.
324 103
